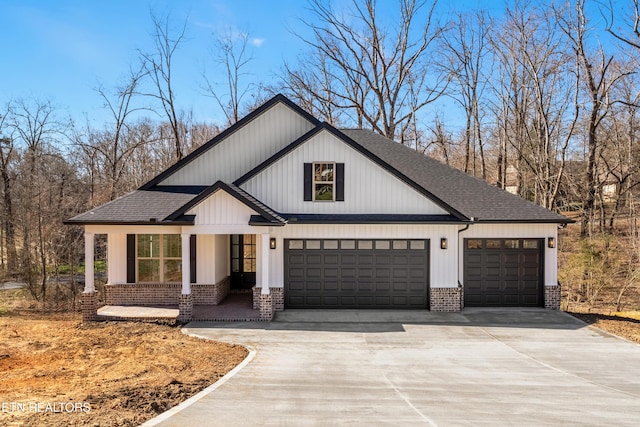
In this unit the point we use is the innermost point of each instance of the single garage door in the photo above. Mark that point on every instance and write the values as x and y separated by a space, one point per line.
503 273
349 273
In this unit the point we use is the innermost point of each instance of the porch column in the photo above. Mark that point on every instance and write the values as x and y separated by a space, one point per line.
264 263
186 301
89 249
186 263
89 303
266 299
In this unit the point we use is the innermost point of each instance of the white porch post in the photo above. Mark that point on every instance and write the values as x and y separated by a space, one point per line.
89 248
186 264
185 306
89 303
264 263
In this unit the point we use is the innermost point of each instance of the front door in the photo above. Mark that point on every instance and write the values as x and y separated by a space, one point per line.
243 261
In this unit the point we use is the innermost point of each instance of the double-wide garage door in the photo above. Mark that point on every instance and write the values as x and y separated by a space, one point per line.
349 273
503 272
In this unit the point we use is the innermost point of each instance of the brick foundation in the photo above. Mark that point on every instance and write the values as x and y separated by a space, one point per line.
552 295
266 307
89 306
446 299
277 298
165 293
185 308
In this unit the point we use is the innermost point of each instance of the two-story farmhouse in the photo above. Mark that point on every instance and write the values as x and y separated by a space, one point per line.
310 216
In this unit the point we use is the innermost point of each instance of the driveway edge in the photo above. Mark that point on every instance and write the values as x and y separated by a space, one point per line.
193 399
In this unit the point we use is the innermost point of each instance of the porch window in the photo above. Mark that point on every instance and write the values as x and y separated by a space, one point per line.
159 258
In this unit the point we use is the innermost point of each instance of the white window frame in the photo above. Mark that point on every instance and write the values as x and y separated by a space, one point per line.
332 182
161 258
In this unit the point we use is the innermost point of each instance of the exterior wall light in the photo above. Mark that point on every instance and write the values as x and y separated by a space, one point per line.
551 242
443 243
272 243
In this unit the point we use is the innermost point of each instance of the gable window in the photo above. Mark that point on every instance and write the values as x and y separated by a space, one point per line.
323 181
159 258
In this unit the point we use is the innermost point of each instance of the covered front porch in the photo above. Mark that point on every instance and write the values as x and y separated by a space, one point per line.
223 277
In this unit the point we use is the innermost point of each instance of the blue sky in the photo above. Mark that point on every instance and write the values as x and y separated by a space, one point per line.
62 49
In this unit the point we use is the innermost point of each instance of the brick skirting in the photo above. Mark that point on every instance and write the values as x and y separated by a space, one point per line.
277 298
446 299
89 306
164 293
185 308
552 295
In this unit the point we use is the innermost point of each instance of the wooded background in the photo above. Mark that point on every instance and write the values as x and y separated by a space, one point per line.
548 94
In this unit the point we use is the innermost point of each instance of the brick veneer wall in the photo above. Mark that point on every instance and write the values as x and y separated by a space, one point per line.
164 293
277 298
446 299
552 295
89 306
185 313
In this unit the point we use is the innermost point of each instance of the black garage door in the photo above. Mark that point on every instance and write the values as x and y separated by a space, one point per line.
503 272
348 273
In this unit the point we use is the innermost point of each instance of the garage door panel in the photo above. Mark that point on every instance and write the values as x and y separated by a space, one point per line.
508 274
360 274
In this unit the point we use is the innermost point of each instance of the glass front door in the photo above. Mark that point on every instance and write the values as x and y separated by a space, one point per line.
243 261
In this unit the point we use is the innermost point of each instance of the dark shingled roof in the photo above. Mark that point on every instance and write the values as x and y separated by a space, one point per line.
141 206
470 196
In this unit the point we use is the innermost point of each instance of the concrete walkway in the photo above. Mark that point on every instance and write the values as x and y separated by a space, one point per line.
478 367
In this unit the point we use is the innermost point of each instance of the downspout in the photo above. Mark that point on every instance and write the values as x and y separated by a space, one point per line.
465 228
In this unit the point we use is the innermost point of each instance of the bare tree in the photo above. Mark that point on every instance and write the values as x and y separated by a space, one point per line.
598 76
159 66
231 51
466 48
7 174
382 76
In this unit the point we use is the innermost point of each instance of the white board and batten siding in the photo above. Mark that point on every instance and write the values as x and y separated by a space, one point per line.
442 262
367 187
221 213
517 231
244 149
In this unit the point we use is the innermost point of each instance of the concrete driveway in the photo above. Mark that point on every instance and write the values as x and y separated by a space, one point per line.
478 367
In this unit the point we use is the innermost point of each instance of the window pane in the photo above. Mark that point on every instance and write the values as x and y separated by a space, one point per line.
348 244
149 245
295 244
474 244
235 265
512 244
493 244
417 244
399 244
172 246
313 244
249 266
382 244
173 270
148 270
331 244
324 191
530 244
323 172
365 244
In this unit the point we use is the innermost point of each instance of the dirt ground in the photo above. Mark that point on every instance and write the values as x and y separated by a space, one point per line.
625 327
100 374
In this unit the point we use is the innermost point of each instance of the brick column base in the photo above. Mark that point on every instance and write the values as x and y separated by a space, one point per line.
89 307
552 295
256 297
445 299
185 308
266 307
